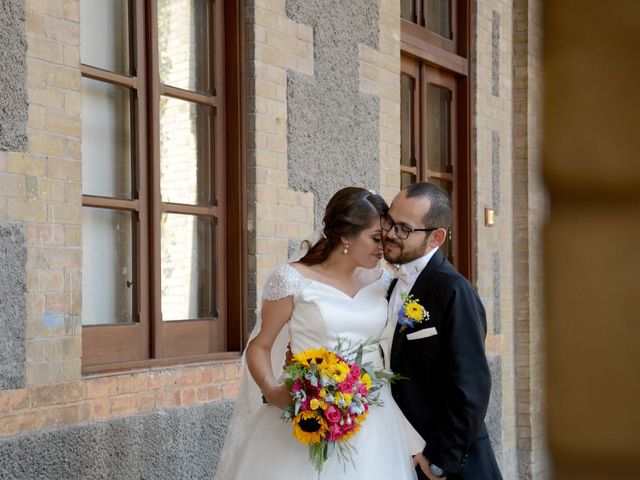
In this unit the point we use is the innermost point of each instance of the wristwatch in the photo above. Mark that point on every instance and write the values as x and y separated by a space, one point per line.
436 470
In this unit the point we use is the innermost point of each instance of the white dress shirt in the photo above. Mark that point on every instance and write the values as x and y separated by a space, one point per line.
407 275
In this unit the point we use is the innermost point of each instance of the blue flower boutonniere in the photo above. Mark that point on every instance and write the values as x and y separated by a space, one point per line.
411 312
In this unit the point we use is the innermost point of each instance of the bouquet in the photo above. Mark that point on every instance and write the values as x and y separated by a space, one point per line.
332 392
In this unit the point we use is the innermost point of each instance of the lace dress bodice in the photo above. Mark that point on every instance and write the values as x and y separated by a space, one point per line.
322 314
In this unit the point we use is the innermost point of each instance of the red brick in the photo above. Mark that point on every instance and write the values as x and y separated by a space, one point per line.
20 399
147 402
230 371
49 395
168 399
75 413
206 394
188 376
218 373
99 408
124 405
17 423
230 391
132 383
102 387
46 417
75 392
188 397
5 401
206 375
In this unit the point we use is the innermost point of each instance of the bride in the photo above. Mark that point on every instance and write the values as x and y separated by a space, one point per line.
336 290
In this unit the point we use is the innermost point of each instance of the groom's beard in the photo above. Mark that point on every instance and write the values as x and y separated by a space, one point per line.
401 256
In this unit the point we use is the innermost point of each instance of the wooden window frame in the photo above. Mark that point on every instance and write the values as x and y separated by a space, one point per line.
424 55
149 341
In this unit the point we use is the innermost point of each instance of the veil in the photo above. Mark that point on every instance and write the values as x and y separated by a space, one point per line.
249 398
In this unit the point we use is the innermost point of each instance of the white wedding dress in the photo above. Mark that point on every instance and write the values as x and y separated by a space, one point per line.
262 446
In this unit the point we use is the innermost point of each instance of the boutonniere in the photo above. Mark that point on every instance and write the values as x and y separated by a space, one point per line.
411 312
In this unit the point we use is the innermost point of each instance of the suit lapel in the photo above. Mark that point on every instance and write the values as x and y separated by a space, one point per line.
420 285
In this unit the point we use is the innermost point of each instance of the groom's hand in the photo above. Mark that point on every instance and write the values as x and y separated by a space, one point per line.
420 460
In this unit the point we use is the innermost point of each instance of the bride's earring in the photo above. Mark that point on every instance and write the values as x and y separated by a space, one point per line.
346 249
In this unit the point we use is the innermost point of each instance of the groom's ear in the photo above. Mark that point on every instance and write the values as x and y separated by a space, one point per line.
437 237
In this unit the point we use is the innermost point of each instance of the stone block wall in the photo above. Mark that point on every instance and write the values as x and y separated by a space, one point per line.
292 172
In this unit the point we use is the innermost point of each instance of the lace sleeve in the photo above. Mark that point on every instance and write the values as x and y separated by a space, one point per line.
285 281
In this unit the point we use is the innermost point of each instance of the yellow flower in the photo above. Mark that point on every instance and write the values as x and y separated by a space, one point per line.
314 403
366 380
309 427
311 356
414 311
339 371
343 396
323 393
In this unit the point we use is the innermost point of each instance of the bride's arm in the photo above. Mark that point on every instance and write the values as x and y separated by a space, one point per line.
275 314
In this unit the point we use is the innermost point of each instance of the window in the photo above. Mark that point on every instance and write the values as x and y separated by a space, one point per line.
161 171
435 117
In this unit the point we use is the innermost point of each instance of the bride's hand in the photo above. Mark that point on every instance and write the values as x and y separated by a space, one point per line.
278 396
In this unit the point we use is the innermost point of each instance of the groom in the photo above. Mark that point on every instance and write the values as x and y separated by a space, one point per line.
438 342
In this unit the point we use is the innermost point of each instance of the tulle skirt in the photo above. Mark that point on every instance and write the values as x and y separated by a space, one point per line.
270 452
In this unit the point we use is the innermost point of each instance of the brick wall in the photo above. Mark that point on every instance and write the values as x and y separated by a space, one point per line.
529 211
103 397
275 44
492 93
41 189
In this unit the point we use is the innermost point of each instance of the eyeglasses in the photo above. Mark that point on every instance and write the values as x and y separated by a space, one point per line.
402 231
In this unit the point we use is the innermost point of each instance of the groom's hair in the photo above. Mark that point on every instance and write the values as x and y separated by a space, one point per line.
440 212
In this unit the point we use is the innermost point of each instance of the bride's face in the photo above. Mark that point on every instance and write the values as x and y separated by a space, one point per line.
366 248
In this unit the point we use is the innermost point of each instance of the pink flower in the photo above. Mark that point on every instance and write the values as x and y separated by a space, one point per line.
297 385
345 386
335 433
332 414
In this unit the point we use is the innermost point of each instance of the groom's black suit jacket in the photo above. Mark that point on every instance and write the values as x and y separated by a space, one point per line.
447 393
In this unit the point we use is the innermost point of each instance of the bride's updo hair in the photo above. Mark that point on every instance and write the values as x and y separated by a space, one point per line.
350 211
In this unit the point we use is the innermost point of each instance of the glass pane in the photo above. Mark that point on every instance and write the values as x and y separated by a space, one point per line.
106 139
407 10
407 179
447 186
184 44
438 128
407 157
188 259
439 17
186 152
104 34
107 266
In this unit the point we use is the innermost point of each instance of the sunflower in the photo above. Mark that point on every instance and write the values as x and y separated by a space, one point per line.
309 427
414 311
316 356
